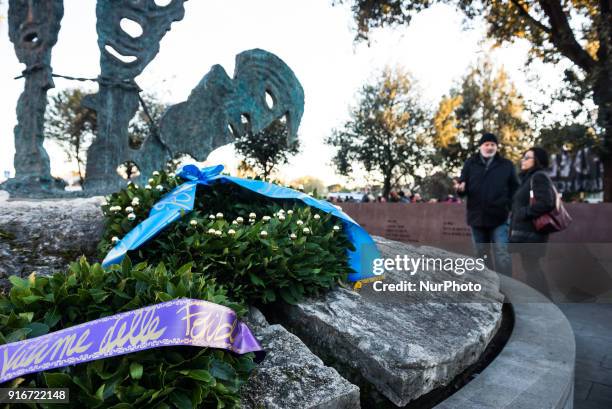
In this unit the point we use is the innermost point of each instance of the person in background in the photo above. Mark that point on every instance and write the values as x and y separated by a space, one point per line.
533 178
489 182
366 197
403 197
416 198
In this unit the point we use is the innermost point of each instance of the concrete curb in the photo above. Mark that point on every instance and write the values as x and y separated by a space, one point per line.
536 367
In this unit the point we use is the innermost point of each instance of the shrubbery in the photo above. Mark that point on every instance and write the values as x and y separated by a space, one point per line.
285 250
179 376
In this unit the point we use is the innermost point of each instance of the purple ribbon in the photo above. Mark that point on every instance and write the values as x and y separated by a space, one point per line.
179 322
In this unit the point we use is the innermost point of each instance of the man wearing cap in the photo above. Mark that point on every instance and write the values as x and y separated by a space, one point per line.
489 182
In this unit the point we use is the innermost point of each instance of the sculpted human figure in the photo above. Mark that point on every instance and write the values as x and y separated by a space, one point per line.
33 29
123 56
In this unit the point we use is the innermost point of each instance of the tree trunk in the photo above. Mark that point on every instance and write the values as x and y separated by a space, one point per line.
602 96
386 187
607 178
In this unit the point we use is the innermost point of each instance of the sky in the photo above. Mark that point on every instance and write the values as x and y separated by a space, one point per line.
312 37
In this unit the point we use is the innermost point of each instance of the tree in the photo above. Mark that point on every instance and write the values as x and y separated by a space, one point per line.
386 132
71 125
485 101
265 150
74 126
577 30
575 136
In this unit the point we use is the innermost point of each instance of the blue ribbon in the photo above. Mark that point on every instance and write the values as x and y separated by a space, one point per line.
181 201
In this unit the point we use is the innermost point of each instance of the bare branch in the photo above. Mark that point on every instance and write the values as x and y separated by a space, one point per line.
563 37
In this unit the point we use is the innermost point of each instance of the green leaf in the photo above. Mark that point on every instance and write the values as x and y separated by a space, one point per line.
27 315
100 392
163 297
126 265
37 329
98 295
201 375
18 282
256 280
18 335
57 380
180 400
222 370
136 370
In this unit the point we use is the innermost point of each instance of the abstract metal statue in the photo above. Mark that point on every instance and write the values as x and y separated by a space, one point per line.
123 56
220 108
33 29
262 90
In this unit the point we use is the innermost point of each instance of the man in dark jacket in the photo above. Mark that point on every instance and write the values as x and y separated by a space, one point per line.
489 182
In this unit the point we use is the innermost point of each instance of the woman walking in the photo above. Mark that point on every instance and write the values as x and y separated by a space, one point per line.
526 208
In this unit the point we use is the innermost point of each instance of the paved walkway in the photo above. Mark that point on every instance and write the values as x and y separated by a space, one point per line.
592 325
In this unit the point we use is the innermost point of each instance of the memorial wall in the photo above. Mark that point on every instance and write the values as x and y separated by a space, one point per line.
578 259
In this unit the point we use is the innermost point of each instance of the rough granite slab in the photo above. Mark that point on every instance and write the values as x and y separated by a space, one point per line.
291 376
46 235
404 348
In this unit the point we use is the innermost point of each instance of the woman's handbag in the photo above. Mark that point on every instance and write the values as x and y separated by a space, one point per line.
554 221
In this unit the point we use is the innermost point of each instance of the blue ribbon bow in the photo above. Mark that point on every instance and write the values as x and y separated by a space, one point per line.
181 199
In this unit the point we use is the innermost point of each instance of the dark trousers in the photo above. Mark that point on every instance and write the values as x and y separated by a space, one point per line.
498 237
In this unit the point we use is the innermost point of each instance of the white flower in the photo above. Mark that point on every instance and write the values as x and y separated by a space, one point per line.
115 239
156 173
129 209
281 217
211 217
193 222
218 233
148 187
239 219
234 222
317 217
300 187
159 187
263 233
151 180
306 230
289 211
266 218
135 201
336 228
171 175
115 209
211 231
252 215
219 215
231 232
292 236
131 217
299 222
